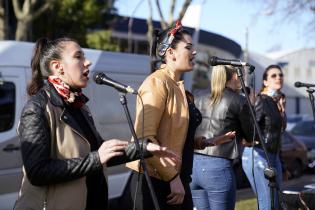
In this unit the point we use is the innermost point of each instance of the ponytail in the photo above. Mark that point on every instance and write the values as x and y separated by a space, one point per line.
153 44
220 75
37 81
44 52
155 37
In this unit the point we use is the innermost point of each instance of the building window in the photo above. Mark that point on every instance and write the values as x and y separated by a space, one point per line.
309 73
312 64
285 70
7 106
296 72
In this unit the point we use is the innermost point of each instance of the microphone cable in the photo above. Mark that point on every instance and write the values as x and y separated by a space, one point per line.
253 145
140 176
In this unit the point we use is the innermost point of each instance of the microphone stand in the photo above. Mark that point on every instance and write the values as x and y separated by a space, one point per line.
269 171
123 102
311 97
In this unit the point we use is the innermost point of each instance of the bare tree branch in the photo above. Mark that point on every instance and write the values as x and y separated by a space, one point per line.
17 9
150 22
163 23
171 13
26 15
42 9
1 9
184 8
2 21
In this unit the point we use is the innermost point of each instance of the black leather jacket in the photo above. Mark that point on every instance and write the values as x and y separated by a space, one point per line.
230 114
270 122
34 134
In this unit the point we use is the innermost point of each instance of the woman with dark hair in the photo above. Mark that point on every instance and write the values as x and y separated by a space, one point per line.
170 118
271 118
64 157
213 181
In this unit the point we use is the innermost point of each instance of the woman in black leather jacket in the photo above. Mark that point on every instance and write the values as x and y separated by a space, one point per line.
213 181
270 115
64 157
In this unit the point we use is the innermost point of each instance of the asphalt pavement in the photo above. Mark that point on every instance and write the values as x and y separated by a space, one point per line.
295 184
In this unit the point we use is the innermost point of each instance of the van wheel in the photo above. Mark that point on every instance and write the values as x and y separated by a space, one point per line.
297 168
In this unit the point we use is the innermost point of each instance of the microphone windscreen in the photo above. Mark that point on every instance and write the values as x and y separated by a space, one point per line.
213 61
98 77
297 84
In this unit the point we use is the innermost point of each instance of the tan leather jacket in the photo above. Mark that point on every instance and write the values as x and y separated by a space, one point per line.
66 142
166 119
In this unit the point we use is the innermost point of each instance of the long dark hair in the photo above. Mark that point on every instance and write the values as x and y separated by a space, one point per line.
45 50
158 42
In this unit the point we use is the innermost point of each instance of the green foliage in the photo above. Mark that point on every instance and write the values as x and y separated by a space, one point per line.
101 40
74 18
247 204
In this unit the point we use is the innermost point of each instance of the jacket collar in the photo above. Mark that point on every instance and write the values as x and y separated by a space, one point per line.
170 73
54 98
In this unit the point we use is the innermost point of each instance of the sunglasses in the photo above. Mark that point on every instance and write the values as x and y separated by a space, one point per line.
275 75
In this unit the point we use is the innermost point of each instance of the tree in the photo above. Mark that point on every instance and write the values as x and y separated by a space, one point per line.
101 40
289 10
26 14
165 24
2 21
76 19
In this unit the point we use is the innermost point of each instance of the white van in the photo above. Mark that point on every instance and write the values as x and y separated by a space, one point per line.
108 113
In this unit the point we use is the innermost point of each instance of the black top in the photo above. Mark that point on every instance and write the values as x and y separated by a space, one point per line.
95 182
195 119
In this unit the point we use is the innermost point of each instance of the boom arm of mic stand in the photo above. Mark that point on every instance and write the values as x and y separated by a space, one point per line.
269 172
123 102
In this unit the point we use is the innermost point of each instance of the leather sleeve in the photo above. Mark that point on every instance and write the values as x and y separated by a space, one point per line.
40 168
199 143
260 115
153 93
247 123
131 153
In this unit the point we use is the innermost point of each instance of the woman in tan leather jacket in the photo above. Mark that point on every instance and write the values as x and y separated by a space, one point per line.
166 118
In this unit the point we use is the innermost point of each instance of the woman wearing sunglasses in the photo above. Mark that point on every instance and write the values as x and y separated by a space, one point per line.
271 118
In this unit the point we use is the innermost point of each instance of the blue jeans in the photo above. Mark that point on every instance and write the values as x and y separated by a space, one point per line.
213 183
260 183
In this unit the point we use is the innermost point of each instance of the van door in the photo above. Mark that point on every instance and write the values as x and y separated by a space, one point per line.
12 99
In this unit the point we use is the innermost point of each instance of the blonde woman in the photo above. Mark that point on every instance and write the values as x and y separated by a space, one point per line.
213 181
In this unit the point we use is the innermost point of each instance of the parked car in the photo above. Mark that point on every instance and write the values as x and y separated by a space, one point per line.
294 156
305 131
292 120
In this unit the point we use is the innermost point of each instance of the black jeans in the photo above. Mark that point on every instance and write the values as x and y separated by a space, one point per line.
143 199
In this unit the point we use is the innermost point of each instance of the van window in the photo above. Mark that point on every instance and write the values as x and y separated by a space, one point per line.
7 105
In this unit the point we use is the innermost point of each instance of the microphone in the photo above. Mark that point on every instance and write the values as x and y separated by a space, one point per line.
102 79
214 61
301 84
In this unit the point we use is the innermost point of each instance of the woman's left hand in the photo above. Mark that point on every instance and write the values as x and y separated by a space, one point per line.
166 156
229 136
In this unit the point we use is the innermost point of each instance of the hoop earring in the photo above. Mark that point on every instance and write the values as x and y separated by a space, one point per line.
60 72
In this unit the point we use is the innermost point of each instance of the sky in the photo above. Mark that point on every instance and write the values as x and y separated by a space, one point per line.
230 18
